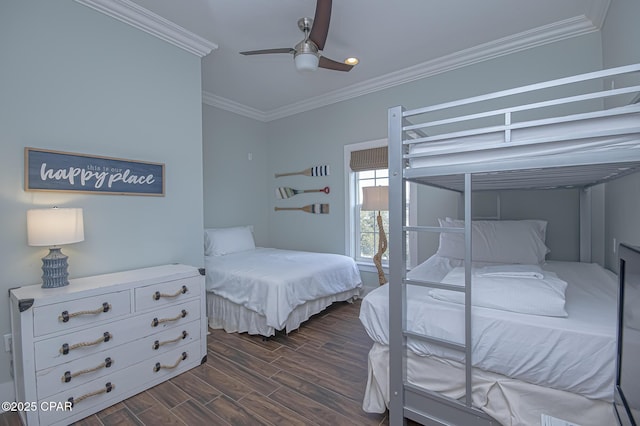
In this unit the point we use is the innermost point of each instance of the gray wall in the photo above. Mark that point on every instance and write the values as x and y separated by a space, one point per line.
75 80
622 212
620 37
236 190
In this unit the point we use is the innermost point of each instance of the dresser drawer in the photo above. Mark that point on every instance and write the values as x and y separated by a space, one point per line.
122 383
91 341
170 292
69 315
61 349
83 370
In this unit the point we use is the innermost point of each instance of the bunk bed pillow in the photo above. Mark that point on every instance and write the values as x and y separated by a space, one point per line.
222 241
497 241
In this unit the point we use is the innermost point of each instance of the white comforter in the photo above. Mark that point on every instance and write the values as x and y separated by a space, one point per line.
273 282
527 294
576 354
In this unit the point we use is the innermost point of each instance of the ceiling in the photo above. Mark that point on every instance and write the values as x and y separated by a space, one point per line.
396 41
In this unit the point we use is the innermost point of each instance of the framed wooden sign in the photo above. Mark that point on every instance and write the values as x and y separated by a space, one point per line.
46 170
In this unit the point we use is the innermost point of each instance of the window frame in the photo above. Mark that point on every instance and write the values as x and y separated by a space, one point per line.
351 210
351 200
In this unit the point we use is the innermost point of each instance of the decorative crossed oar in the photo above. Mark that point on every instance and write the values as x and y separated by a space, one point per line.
311 171
284 192
311 208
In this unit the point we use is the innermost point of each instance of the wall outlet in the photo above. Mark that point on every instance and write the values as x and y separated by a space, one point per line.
7 342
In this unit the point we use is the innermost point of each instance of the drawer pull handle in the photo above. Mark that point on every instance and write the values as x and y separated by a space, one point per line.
159 366
68 375
157 295
65 316
108 387
64 350
157 343
157 321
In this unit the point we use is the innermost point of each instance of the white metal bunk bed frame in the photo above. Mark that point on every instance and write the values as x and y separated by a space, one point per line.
406 399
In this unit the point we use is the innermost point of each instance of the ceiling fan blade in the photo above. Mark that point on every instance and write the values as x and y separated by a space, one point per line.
320 27
265 51
333 65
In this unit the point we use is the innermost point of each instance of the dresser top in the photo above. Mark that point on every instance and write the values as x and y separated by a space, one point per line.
87 286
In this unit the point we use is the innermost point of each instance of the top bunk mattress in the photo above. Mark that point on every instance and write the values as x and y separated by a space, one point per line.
614 139
575 354
470 136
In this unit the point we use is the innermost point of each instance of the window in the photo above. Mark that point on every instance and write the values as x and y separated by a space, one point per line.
366 229
365 165
361 226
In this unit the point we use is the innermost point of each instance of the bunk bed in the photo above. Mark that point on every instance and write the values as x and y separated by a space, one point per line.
427 363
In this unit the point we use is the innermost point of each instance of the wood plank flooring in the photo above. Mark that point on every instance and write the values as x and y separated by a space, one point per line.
313 376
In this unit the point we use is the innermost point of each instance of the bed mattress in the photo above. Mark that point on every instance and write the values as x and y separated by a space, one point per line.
511 402
566 139
273 282
574 354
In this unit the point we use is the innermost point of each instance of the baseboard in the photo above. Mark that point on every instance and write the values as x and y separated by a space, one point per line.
7 393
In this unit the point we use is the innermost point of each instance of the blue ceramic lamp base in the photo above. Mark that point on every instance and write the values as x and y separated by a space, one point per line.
54 269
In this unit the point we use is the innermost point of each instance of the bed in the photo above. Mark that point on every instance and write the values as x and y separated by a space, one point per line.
445 352
263 290
553 376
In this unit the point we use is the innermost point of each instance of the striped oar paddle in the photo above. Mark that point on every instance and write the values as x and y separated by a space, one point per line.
311 171
284 192
311 208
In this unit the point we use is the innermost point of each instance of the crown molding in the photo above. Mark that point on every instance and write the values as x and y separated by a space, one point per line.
598 12
557 31
210 99
533 38
151 23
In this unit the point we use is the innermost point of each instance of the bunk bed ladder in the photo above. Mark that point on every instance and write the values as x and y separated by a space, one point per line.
408 400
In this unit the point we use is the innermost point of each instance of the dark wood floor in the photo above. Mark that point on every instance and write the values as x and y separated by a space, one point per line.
313 376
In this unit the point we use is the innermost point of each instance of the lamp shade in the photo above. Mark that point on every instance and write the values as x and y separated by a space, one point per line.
306 61
54 227
375 198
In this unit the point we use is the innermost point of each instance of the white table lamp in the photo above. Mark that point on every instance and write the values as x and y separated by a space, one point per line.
54 227
377 198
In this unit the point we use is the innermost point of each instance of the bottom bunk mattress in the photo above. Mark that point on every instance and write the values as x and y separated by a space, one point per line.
263 290
573 354
511 402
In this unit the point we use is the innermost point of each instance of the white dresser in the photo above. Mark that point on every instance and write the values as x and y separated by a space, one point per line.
81 348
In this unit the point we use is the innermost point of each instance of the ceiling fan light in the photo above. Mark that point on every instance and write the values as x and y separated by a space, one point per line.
306 62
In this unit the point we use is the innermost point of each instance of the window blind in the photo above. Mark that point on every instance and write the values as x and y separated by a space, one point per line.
369 159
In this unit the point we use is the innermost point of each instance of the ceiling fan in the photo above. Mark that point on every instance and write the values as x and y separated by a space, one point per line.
306 54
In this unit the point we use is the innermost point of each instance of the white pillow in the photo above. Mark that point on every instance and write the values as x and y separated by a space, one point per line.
221 241
534 296
499 241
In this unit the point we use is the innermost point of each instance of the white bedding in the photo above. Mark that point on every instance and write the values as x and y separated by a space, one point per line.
560 139
273 282
575 354
511 402
527 294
